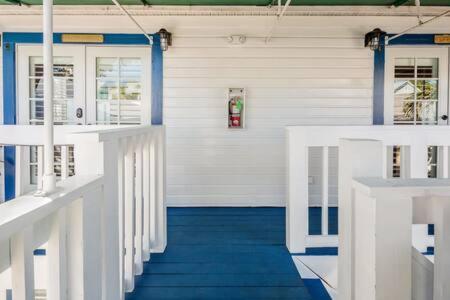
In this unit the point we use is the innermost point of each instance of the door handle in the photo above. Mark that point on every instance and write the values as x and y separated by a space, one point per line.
79 112
444 117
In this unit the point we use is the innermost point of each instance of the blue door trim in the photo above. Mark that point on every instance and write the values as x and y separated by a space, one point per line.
11 39
379 69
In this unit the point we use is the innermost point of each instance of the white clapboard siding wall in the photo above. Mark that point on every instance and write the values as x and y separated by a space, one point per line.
289 81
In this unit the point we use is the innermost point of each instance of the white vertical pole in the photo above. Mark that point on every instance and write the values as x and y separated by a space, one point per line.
49 176
325 164
64 162
40 165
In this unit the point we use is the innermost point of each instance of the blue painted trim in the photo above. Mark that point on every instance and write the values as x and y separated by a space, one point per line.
378 85
318 251
10 39
413 39
157 82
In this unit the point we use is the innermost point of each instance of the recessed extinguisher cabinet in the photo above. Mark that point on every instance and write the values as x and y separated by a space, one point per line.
236 108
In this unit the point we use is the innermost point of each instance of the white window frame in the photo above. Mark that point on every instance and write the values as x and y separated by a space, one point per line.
94 52
442 53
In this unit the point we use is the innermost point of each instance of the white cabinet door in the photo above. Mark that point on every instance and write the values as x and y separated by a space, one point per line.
69 84
416 86
118 84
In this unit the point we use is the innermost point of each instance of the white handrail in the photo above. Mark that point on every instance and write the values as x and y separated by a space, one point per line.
93 243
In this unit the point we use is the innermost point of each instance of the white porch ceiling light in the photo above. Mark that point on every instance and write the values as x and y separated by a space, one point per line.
165 39
373 39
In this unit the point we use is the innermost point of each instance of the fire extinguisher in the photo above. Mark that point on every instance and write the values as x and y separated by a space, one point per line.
235 111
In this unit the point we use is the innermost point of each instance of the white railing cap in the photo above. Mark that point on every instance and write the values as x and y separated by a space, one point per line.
24 211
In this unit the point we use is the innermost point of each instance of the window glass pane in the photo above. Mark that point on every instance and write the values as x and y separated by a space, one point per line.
107 111
426 112
63 92
427 90
432 161
130 90
404 111
427 67
107 89
130 112
404 68
119 88
107 67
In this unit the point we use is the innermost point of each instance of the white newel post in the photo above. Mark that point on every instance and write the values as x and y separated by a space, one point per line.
102 158
382 241
357 158
297 191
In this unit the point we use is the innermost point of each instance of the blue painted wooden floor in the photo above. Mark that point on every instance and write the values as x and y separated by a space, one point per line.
222 253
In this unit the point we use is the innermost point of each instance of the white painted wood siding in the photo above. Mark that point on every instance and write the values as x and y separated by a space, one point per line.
289 81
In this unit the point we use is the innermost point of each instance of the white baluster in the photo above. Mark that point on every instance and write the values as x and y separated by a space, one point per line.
153 193
64 162
22 265
139 207
83 247
121 200
146 199
129 216
445 162
40 166
57 258
418 166
325 163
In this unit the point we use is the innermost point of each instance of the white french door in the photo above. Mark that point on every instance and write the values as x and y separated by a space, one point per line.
92 85
416 86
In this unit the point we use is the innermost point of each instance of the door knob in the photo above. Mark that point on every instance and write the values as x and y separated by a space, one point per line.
444 117
79 112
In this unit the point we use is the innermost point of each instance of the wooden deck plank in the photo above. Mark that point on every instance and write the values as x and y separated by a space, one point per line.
222 253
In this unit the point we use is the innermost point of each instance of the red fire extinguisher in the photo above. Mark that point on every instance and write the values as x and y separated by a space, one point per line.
235 111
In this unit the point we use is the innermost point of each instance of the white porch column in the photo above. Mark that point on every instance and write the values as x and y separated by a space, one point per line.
49 176
357 158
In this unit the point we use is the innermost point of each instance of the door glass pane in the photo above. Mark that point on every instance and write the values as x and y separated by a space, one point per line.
416 98
119 89
63 90
427 68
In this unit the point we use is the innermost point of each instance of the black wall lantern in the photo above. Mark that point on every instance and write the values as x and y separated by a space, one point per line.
373 39
165 39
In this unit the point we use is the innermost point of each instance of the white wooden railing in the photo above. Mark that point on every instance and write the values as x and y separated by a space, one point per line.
363 151
385 265
413 140
100 225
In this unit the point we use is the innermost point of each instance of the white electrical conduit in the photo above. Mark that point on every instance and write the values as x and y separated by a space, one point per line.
417 26
134 20
280 15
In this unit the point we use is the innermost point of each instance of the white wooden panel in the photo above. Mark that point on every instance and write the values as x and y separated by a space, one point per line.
290 81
